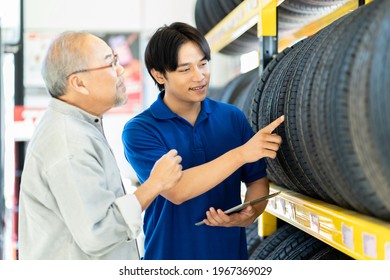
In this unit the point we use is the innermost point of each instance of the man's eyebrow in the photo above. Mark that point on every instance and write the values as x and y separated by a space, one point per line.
183 64
109 55
186 63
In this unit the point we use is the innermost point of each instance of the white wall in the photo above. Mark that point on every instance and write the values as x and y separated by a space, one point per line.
144 16
106 16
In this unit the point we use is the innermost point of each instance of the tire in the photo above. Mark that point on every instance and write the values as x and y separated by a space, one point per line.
330 253
269 244
252 237
288 245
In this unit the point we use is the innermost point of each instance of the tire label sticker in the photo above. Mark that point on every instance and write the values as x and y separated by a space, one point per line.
369 245
315 223
387 251
347 235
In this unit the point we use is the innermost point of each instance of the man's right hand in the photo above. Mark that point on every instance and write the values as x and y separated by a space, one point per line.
263 144
167 170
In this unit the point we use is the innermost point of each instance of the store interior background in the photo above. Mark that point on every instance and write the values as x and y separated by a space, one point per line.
133 21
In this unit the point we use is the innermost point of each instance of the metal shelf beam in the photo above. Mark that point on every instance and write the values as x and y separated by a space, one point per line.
241 19
357 235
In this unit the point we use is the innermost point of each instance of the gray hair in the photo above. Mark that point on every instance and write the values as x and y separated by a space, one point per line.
65 55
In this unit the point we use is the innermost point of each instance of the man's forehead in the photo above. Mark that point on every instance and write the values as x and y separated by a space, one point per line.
98 47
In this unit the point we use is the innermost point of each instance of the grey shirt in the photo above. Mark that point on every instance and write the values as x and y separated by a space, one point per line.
72 203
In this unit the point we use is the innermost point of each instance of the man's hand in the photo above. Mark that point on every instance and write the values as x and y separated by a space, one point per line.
263 144
218 218
167 170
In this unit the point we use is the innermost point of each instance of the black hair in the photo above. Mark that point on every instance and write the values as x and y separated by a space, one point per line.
162 50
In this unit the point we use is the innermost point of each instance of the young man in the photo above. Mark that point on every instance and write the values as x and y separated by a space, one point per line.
72 201
218 149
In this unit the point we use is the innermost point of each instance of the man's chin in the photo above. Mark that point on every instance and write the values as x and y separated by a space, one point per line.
121 100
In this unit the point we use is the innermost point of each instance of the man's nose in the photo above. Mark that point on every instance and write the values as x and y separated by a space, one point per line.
119 69
198 74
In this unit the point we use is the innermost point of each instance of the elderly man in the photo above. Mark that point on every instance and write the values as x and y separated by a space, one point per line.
72 201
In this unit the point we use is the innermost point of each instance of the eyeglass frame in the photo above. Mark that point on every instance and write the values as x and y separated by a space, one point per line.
113 64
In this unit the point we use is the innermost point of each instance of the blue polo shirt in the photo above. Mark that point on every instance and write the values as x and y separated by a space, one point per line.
170 231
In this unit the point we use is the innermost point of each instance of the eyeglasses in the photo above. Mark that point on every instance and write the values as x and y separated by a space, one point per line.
113 64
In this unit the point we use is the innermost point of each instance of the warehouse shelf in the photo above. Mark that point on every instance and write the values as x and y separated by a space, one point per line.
313 27
241 19
263 13
355 234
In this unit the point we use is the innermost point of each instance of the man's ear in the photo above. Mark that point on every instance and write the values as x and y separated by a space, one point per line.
158 76
77 84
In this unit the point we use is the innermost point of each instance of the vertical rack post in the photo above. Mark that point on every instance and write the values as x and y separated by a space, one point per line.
267 31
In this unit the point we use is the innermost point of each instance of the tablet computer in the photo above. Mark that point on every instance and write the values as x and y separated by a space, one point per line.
239 207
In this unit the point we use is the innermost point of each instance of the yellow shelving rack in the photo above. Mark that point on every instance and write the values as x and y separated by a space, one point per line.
263 13
241 19
359 236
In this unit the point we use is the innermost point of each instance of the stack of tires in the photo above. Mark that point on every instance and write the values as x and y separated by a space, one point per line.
294 14
332 87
